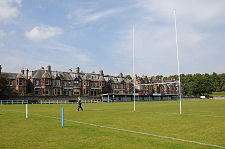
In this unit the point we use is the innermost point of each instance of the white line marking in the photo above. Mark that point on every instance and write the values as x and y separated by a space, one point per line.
131 131
183 114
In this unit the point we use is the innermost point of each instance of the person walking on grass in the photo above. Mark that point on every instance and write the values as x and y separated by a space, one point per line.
79 102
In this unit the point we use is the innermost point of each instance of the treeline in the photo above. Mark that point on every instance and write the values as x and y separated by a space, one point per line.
5 90
200 84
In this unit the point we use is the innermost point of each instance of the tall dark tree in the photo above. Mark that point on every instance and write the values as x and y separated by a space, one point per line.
5 90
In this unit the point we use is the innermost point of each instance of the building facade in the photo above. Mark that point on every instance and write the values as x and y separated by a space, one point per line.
46 82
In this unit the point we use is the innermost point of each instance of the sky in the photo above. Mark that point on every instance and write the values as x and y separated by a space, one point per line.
97 34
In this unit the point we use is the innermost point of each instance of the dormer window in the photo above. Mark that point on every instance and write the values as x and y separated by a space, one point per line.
36 82
76 83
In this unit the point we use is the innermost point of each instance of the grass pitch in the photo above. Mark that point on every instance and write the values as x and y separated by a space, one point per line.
115 125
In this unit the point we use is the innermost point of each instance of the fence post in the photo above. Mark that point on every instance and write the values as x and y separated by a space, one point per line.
62 117
26 110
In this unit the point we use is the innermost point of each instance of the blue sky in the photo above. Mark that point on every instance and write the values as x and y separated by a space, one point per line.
97 34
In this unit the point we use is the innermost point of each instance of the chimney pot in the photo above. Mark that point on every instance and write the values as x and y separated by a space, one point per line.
70 70
22 71
27 71
101 73
49 67
77 70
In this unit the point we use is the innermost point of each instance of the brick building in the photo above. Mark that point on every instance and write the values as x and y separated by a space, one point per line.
46 82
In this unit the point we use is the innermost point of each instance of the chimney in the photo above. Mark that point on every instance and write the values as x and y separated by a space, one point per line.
101 73
0 69
49 67
27 71
70 70
121 75
77 70
22 71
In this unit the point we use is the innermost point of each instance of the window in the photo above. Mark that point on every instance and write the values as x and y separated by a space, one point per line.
69 83
36 82
10 83
87 83
57 83
76 83
59 92
84 91
43 91
84 83
46 91
76 92
17 82
43 82
65 91
96 85
21 82
65 84
47 82
87 92
36 91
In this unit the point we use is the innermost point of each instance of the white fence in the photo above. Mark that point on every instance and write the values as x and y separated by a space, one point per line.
14 101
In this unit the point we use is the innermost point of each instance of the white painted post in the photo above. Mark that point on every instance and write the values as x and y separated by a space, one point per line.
12 101
26 110
133 68
178 64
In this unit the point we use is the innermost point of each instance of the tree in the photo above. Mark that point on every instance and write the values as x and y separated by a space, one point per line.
5 90
128 77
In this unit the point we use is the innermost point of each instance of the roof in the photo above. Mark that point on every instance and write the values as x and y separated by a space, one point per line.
20 76
10 75
101 78
46 75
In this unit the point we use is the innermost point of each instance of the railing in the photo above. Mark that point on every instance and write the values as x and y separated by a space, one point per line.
13 101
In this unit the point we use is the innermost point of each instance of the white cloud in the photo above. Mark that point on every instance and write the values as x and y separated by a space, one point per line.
82 15
9 9
188 11
39 33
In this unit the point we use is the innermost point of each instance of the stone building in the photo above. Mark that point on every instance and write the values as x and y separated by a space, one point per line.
47 82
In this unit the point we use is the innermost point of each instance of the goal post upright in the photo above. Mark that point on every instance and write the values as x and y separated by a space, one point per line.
133 65
178 64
